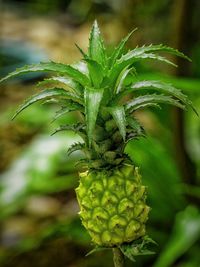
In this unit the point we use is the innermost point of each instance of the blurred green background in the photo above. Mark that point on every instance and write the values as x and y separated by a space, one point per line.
39 225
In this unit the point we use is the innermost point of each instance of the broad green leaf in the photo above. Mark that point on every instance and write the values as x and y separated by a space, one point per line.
96 72
51 67
186 232
147 100
92 103
138 51
119 49
48 93
75 86
96 45
118 114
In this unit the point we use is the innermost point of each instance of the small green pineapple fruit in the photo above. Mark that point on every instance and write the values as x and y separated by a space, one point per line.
111 195
112 202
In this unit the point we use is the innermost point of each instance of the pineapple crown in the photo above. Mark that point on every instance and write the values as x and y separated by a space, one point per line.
97 88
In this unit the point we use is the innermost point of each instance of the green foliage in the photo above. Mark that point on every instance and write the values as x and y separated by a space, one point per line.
185 233
31 178
136 126
70 83
118 51
92 103
98 83
66 108
121 79
149 49
96 48
156 86
77 128
151 100
96 72
52 67
74 147
47 94
137 248
119 116
165 88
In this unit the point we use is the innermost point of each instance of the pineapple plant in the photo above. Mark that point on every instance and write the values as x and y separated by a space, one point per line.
110 194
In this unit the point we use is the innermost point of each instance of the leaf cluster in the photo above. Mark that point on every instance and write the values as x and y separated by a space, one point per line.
96 87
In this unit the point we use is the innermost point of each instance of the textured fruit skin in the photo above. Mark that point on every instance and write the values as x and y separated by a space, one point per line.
112 205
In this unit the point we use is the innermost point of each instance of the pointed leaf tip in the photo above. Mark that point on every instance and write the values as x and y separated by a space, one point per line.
96 48
81 51
165 88
48 93
117 53
59 68
95 24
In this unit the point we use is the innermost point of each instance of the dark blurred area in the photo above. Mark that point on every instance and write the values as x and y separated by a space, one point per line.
39 224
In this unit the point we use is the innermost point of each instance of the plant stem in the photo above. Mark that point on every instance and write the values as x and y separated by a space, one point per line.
118 257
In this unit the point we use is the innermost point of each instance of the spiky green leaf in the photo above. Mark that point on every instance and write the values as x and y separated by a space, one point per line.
165 88
72 84
69 106
51 67
161 86
118 114
93 99
119 49
135 125
48 93
121 79
96 249
138 51
122 64
96 72
144 52
76 128
81 51
96 45
74 147
137 247
131 60
61 112
152 99
157 86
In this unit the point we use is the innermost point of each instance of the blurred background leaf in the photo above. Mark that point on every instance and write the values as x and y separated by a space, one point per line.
186 232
